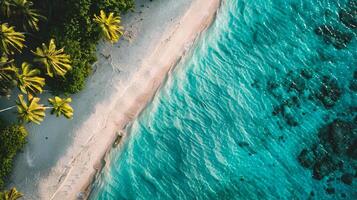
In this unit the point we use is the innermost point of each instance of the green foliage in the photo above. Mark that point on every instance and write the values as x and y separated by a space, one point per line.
30 110
6 75
75 31
10 39
12 139
56 61
25 15
71 24
61 107
82 59
116 6
28 79
109 25
11 194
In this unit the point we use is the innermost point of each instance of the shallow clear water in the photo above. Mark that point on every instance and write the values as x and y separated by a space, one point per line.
232 120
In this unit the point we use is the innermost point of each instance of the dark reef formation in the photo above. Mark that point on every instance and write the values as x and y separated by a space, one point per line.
332 157
329 92
348 16
335 150
353 82
332 35
292 91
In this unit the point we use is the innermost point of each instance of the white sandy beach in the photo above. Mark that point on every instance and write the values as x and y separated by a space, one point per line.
62 157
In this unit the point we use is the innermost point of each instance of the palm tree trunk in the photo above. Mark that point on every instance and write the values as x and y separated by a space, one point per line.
5 109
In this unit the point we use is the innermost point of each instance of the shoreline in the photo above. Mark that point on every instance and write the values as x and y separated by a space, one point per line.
141 98
80 163
157 80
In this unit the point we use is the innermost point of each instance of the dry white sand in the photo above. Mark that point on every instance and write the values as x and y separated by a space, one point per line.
62 157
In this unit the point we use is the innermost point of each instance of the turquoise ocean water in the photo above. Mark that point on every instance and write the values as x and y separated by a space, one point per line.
263 107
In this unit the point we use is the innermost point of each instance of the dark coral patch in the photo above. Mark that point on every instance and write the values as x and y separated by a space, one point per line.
336 141
348 18
347 178
329 92
332 35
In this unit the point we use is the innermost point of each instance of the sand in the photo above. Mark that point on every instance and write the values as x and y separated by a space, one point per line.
62 157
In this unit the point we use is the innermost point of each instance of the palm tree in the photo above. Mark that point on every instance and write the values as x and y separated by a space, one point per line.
110 26
55 61
29 17
30 111
12 194
6 69
6 75
28 81
9 38
5 7
61 107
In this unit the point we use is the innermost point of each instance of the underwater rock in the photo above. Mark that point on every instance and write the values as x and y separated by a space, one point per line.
298 84
352 149
290 119
306 73
256 84
353 85
285 110
333 36
277 110
320 152
243 144
329 92
348 18
291 102
339 134
352 4
330 190
271 87
306 158
336 140
325 167
347 178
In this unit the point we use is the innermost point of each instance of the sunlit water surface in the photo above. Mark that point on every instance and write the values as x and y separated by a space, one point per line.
234 118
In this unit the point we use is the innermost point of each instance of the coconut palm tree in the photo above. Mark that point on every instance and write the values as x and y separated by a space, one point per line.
55 60
10 39
5 7
24 12
28 80
61 107
12 194
109 25
31 110
7 72
6 69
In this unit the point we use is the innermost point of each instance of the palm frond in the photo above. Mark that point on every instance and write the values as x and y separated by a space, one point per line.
30 110
110 26
10 39
28 79
55 61
61 107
